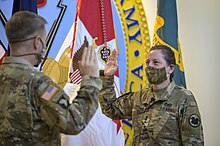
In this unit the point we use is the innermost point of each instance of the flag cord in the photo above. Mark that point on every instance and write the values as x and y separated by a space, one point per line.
103 22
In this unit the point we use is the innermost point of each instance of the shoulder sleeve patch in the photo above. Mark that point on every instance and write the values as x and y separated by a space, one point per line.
64 103
194 120
49 93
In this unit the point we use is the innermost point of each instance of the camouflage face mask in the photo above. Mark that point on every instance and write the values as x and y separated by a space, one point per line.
42 54
156 76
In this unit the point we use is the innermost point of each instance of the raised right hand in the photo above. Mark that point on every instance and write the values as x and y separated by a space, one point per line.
112 64
89 63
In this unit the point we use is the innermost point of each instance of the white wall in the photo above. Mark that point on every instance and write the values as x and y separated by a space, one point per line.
199 32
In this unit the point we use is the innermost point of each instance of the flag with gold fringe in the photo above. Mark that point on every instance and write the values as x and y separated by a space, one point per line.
166 33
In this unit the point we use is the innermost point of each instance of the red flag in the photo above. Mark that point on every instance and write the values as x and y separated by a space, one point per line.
2 53
94 26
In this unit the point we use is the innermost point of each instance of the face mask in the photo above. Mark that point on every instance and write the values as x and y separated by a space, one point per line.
42 54
156 76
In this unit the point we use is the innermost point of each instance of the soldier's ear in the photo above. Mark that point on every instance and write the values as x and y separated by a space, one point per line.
37 43
172 67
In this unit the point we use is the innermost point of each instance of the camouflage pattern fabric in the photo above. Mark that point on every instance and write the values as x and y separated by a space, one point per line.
168 117
34 110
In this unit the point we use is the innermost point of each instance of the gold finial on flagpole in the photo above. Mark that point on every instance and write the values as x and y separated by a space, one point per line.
94 45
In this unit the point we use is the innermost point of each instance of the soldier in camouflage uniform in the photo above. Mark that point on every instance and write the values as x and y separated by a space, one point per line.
33 109
163 114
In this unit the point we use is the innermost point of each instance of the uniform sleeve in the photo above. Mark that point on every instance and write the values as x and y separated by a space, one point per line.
190 121
115 108
56 110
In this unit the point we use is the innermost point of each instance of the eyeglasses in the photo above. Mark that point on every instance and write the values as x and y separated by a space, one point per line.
22 40
44 45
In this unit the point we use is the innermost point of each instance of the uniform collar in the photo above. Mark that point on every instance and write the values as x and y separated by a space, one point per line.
15 60
161 94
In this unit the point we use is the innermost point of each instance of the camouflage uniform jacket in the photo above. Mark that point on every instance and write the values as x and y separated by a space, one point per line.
168 117
34 110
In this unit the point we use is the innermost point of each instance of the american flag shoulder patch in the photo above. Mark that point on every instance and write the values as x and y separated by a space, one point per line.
49 93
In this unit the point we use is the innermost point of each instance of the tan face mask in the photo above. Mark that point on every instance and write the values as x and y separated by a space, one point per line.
156 76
